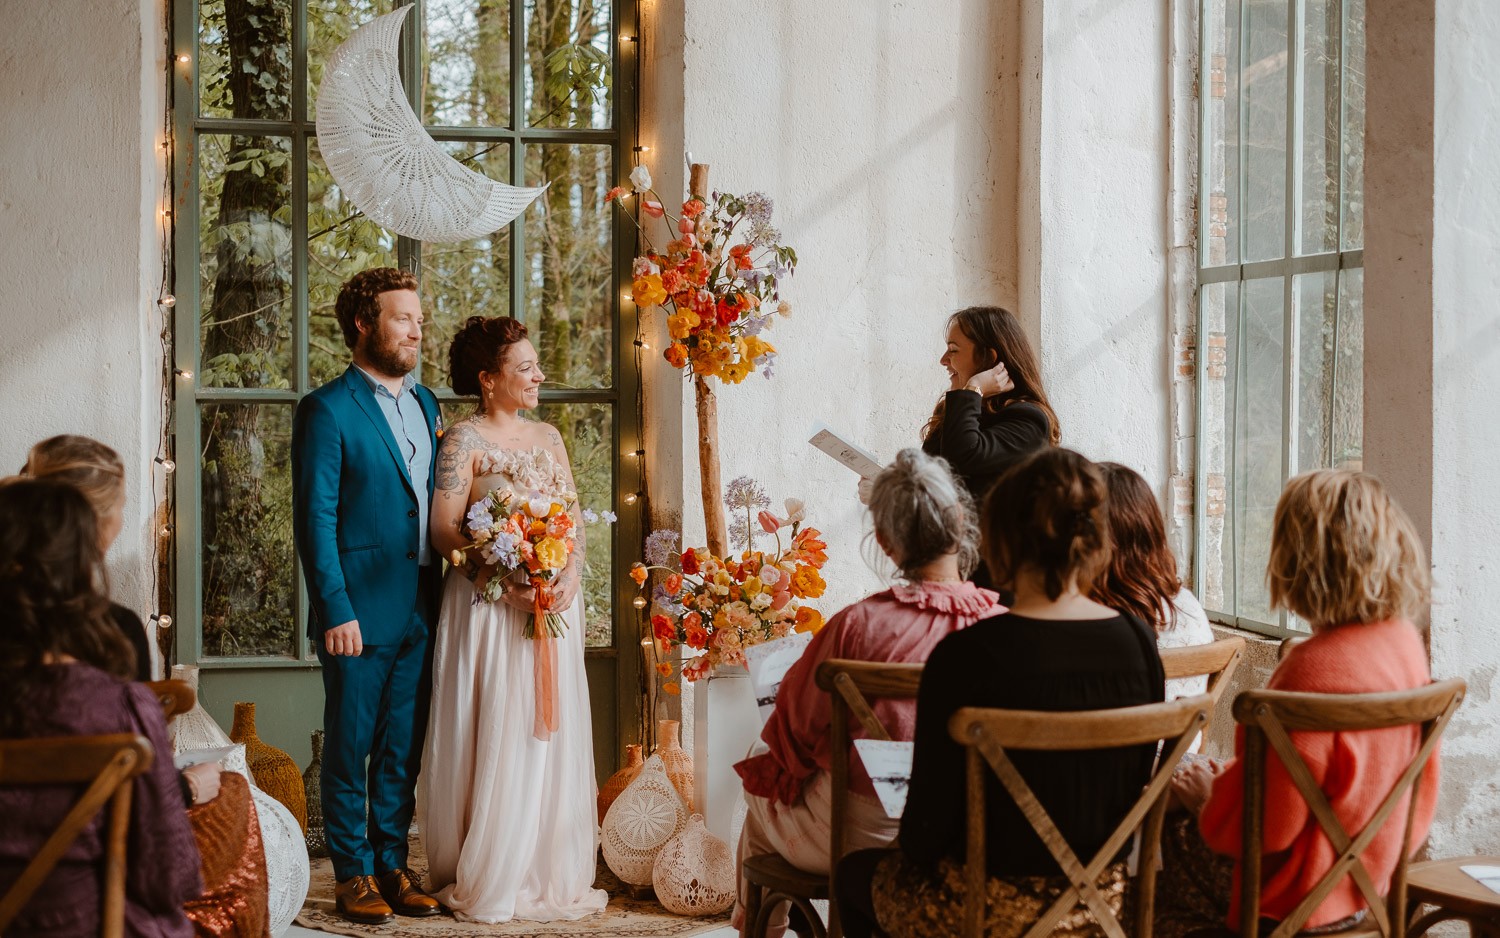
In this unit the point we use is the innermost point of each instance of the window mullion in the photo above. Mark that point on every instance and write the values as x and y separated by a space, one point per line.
1232 475
1342 123
1290 357
187 480
409 250
518 153
300 329
1242 150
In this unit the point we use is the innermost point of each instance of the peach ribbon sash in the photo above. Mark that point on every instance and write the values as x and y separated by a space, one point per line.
544 669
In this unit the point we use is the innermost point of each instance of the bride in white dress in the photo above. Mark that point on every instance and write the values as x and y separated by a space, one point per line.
507 818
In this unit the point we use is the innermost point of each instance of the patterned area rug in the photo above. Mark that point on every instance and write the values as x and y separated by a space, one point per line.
624 917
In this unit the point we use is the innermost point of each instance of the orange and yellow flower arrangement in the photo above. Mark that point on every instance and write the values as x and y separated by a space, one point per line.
721 606
719 279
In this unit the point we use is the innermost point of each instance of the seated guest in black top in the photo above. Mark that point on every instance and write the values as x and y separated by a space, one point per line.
1047 539
97 471
995 412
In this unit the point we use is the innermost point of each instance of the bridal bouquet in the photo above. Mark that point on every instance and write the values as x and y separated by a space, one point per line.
719 279
528 537
720 606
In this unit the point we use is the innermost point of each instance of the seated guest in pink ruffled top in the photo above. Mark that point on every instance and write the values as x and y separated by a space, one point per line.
926 524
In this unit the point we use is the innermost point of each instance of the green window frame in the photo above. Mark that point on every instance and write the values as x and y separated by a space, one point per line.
255 277
1280 278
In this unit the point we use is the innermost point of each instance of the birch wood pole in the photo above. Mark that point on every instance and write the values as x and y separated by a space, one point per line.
708 422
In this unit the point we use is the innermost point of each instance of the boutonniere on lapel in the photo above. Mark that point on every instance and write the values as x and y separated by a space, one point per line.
437 426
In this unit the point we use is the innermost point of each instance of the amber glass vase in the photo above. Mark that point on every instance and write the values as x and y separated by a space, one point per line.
617 782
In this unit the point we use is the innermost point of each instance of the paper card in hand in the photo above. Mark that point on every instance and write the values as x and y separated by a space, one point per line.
888 763
845 452
769 662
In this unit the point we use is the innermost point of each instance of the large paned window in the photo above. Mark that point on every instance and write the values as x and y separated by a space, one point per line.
525 91
1280 311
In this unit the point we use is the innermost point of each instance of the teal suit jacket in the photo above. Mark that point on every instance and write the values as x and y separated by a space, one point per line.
354 510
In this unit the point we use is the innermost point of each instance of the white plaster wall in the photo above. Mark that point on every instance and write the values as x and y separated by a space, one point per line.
1096 90
80 115
886 134
1465 402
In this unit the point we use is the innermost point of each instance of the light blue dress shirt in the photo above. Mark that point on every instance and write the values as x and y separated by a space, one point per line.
408 425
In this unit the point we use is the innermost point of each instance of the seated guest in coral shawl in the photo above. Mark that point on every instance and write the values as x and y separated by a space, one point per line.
926 524
1047 539
65 670
1346 559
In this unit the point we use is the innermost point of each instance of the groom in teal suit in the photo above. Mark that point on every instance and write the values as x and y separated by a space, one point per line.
363 448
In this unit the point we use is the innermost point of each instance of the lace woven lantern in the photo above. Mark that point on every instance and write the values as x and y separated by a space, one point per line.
648 813
288 871
385 162
194 729
694 873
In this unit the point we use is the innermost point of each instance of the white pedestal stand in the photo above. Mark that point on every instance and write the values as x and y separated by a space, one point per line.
725 725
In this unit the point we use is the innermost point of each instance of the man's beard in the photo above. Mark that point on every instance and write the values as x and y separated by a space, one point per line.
391 359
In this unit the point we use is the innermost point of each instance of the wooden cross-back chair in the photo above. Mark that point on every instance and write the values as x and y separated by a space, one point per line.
1218 660
987 734
1271 716
107 765
851 684
177 697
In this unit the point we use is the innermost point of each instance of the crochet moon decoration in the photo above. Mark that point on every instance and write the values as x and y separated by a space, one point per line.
383 160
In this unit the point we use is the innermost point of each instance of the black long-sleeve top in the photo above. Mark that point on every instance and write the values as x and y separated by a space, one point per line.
130 626
981 445
1018 663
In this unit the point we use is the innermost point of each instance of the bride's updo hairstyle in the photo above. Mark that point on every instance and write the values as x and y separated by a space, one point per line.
922 513
1049 514
480 346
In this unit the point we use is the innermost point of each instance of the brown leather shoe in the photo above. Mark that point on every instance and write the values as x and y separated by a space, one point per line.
399 888
359 901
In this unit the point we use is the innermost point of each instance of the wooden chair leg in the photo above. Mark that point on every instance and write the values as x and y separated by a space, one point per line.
1421 924
814 920
753 897
770 902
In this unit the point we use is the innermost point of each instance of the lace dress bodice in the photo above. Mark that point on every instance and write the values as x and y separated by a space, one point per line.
524 471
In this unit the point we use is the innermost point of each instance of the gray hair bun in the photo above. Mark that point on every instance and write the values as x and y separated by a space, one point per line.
922 512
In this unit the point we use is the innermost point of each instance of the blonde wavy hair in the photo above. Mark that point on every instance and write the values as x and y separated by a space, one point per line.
93 468
1342 552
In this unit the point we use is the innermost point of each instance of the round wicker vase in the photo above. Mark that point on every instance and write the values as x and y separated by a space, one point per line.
273 770
677 762
647 814
694 872
617 782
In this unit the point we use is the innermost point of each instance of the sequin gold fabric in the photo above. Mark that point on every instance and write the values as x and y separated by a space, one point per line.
912 904
227 830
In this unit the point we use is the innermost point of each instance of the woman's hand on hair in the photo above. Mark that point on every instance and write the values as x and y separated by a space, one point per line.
866 485
991 381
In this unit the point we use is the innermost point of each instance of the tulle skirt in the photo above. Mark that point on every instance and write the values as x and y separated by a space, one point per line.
508 820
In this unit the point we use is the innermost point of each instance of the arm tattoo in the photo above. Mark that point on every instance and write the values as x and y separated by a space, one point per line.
554 436
458 443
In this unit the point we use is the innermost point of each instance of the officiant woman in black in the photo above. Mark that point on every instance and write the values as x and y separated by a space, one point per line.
995 411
